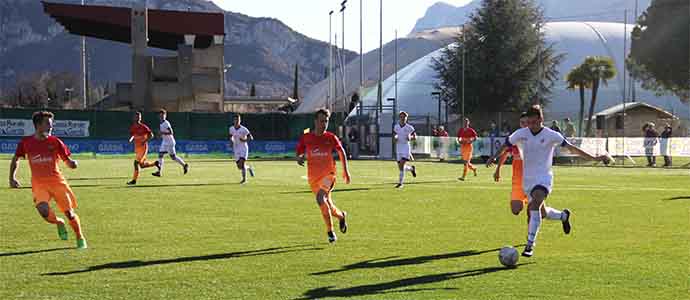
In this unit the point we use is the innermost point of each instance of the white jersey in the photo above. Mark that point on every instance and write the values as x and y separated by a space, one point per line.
236 134
167 138
403 134
537 150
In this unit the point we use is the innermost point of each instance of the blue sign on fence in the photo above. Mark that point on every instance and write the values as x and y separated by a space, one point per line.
183 146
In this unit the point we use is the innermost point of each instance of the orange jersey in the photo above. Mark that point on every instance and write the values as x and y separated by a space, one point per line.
515 152
43 156
319 151
466 134
141 134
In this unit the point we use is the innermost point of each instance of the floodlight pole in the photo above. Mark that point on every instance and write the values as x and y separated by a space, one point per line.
330 60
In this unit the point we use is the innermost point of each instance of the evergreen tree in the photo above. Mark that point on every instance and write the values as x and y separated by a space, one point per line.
508 64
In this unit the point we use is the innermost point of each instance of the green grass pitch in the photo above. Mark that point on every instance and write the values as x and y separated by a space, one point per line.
203 236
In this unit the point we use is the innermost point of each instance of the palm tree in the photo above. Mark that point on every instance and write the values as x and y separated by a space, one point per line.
599 69
577 79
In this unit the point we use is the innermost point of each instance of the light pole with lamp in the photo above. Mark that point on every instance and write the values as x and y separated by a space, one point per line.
394 114
330 60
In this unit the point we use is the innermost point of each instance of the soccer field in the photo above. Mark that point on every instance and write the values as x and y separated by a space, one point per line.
204 236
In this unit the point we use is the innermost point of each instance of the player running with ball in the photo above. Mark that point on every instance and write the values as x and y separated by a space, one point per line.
537 144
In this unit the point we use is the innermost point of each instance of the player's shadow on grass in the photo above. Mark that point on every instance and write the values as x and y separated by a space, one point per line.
394 261
171 185
391 286
334 191
33 251
24 187
678 198
96 178
145 263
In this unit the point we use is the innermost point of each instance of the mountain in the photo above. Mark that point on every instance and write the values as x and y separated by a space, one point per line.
443 15
262 51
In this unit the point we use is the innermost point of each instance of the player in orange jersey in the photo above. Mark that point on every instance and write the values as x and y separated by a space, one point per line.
140 135
43 151
318 147
467 136
518 198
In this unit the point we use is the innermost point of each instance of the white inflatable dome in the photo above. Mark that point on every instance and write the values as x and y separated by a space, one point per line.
576 40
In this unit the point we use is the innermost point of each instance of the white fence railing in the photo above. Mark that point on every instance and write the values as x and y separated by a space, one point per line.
449 147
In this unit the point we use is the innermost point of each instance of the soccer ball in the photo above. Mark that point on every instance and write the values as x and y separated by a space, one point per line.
508 256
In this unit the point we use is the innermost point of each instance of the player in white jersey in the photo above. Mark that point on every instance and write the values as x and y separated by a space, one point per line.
240 135
167 145
537 144
404 133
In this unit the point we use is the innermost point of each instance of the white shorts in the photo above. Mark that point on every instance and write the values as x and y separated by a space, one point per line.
403 152
529 183
406 156
167 147
241 153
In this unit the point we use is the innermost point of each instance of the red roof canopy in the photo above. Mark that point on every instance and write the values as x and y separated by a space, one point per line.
166 28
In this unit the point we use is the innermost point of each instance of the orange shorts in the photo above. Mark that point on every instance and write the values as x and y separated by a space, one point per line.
325 183
60 191
466 152
518 193
141 153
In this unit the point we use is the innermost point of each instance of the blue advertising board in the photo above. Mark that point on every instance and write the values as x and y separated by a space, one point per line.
183 146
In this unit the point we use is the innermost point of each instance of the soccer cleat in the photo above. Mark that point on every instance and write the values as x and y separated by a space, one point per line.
566 222
343 223
251 171
475 172
133 182
528 252
157 174
186 168
331 237
399 186
81 244
414 171
62 231
243 181
461 178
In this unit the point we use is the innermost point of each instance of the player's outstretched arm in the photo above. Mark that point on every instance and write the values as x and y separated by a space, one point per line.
343 159
500 152
13 173
582 153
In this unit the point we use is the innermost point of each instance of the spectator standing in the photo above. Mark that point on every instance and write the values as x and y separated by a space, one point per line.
665 144
554 126
569 131
651 138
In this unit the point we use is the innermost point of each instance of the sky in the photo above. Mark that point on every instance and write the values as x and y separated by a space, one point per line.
310 17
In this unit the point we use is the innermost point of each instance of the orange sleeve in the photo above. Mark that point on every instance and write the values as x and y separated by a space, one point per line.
301 147
62 149
21 149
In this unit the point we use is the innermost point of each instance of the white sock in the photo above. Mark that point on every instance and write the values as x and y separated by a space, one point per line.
408 168
160 165
533 228
402 177
553 214
179 160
